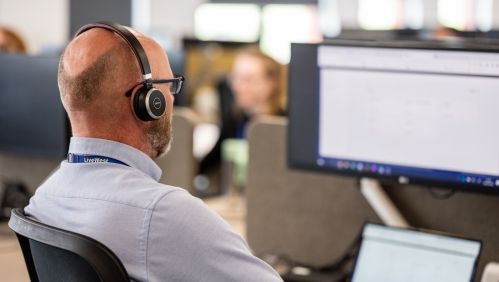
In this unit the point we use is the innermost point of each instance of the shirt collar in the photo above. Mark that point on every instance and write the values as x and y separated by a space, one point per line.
119 151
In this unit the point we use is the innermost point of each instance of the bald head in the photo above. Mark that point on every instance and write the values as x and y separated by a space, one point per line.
96 70
97 65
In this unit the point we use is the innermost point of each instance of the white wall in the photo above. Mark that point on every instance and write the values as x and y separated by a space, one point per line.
348 13
430 14
40 22
495 19
46 22
175 17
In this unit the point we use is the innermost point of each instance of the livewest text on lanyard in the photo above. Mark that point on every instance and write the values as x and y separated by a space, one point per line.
74 158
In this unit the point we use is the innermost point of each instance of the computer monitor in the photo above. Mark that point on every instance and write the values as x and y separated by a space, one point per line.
410 113
32 119
389 254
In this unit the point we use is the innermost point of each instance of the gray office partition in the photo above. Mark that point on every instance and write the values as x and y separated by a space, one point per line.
313 217
179 166
308 216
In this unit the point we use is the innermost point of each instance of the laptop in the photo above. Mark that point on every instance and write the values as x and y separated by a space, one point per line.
388 254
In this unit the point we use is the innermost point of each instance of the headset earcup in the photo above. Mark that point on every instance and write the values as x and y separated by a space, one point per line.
156 106
149 104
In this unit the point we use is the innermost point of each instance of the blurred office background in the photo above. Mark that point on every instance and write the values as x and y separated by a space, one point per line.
51 23
202 39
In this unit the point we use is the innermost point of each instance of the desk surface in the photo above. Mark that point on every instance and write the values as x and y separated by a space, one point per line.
232 209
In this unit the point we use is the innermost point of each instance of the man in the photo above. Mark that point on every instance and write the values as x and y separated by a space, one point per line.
160 233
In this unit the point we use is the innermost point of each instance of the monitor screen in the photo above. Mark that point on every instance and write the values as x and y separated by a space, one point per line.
423 116
392 255
32 119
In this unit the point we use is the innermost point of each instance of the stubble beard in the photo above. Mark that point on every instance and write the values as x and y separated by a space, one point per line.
160 135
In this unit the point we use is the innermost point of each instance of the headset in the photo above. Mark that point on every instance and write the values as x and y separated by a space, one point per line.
149 103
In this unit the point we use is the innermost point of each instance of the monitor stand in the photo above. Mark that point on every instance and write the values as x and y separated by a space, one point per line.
381 203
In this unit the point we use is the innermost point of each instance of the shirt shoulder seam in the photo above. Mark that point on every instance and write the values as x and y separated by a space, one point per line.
104 200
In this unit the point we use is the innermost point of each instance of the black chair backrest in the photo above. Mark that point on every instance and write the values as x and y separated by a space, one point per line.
229 118
53 254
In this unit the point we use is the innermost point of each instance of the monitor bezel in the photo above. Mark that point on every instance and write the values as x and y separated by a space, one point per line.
422 230
388 179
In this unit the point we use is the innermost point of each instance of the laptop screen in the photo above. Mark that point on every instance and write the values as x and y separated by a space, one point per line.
392 255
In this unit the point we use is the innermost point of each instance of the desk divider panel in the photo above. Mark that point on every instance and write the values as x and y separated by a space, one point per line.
179 166
311 217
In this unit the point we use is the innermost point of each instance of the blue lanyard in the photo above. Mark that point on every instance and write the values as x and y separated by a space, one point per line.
72 158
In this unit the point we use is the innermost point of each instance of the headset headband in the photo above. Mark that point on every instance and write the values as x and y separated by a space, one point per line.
130 39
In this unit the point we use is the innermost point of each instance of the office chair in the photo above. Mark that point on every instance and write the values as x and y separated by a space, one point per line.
53 254
228 118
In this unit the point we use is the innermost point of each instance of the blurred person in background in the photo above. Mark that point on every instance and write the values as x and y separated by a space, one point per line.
11 42
256 81
255 87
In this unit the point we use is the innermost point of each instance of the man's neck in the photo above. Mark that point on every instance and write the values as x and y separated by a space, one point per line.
132 138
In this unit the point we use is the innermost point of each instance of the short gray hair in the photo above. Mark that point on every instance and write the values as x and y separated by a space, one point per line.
112 71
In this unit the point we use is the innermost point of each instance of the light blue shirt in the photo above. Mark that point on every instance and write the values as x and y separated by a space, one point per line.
160 233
